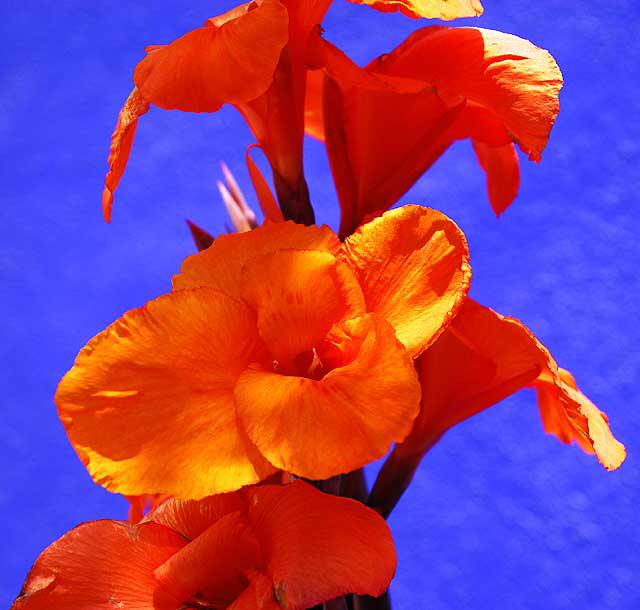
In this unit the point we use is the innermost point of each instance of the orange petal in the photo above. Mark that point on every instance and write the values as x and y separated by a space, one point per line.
231 60
373 168
298 296
149 404
211 569
364 404
121 143
219 266
479 360
413 266
500 164
484 357
102 565
571 416
434 9
517 81
320 546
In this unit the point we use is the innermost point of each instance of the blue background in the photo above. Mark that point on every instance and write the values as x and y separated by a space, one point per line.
500 515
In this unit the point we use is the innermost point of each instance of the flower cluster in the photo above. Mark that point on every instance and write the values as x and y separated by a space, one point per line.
243 405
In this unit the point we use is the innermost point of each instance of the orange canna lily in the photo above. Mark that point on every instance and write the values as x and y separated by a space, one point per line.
269 547
491 87
480 359
279 348
253 57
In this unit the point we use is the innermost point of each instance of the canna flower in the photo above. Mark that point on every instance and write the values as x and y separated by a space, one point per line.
480 359
279 348
256 57
268 547
443 84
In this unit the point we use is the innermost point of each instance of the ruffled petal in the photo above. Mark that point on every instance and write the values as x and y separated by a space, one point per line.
231 60
149 407
366 401
432 9
413 266
220 265
318 546
121 143
509 76
100 566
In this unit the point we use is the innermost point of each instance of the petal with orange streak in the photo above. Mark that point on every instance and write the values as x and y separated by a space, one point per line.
517 81
361 406
219 266
313 114
500 164
431 9
413 266
228 61
121 143
149 407
298 296
318 546
102 565
211 569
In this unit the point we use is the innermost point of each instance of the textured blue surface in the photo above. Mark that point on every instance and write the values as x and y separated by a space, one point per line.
499 515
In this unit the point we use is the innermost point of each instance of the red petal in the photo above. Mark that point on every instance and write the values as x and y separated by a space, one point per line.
500 164
102 565
319 546
232 60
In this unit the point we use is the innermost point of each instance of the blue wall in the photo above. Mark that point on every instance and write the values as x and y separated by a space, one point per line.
500 515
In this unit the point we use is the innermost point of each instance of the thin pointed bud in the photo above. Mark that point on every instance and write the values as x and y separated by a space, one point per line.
266 199
236 192
235 213
203 239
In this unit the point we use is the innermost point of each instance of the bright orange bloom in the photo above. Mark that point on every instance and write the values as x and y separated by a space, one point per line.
280 348
268 547
480 359
442 84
